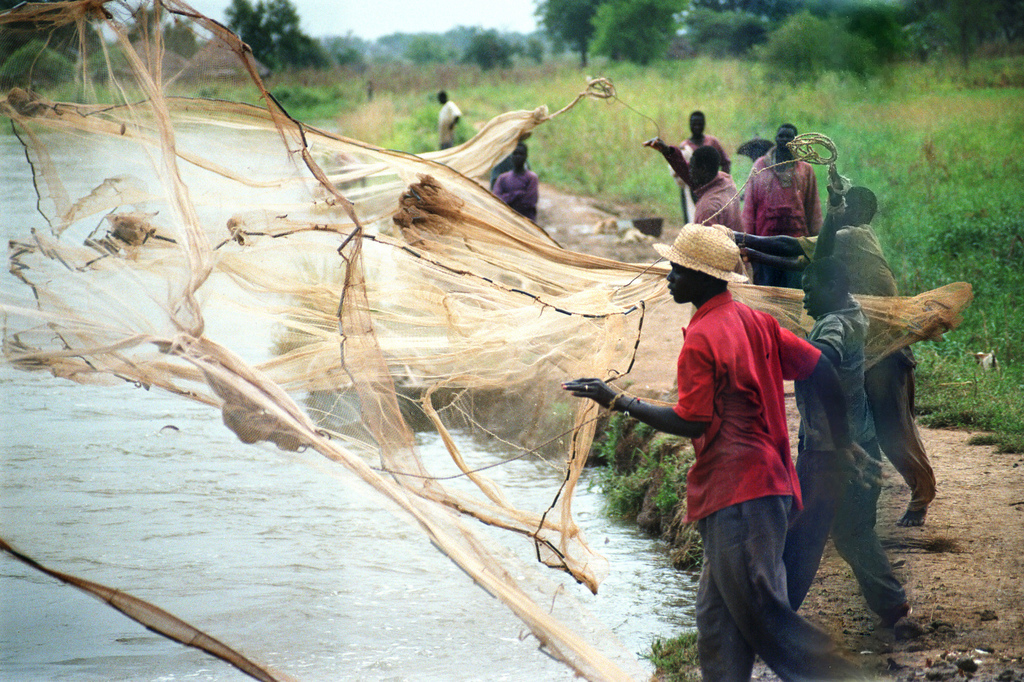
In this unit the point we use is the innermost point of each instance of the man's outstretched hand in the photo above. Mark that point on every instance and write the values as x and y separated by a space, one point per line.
656 143
595 389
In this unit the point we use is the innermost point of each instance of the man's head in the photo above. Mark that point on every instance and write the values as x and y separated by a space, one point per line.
704 165
442 97
785 134
703 260
697 124
519 158
861 205
826 286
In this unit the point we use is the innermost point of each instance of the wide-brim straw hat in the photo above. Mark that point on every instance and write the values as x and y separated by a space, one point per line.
707 249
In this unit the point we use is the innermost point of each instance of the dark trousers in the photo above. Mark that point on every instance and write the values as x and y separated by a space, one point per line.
842 497
742 606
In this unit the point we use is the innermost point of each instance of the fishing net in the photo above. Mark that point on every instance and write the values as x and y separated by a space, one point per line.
320 292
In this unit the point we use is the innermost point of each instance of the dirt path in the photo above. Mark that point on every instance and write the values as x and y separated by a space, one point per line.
963 570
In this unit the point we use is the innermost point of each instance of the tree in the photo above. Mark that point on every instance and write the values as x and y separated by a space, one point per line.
271 28
636 30
428 48
570 22
489 50
805 46
725 34
771 10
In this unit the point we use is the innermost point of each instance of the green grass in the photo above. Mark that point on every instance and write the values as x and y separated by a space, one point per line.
675 659
941 147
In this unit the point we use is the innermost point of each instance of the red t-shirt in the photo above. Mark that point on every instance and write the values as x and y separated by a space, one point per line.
730 373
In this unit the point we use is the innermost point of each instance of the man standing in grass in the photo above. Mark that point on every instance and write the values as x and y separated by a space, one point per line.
698 138
742 484
840 494
781 199
712 186
447 119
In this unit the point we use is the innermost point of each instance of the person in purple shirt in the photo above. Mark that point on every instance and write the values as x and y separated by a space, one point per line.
519 187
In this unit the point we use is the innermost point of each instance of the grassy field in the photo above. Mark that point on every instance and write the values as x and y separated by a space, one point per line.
942 148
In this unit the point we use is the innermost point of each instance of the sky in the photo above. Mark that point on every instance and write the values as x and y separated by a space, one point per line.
371 19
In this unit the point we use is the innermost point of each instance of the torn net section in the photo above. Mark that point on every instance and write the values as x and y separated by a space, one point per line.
319 291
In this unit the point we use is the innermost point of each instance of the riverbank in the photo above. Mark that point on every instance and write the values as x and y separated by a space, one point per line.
963 570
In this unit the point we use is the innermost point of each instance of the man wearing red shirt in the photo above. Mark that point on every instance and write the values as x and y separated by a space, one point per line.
742 484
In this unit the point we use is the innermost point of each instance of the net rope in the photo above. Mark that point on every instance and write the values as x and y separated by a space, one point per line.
324 293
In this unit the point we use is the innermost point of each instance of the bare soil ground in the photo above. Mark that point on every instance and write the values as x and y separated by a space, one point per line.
963 570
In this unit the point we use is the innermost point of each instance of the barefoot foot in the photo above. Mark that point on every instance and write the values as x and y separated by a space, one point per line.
913 518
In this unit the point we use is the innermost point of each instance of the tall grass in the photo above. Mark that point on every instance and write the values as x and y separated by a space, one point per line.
941 147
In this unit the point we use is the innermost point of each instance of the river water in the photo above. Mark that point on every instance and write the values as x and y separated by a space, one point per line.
273 553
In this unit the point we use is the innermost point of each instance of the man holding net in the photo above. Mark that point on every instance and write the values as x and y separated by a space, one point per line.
742 485
890 382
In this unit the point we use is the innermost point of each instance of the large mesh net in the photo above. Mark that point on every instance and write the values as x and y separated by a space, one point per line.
322 293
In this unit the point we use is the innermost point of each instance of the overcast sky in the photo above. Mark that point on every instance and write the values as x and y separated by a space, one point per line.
371 19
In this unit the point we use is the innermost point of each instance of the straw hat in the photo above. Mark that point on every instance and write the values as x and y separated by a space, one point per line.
707 249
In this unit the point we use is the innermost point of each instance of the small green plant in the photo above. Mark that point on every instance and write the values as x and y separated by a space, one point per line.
676 659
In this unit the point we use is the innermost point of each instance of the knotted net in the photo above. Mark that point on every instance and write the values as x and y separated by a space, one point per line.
319 291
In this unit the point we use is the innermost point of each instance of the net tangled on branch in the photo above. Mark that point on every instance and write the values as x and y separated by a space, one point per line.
320 292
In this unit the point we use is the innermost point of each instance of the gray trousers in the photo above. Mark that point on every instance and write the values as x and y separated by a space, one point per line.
742 605
844 501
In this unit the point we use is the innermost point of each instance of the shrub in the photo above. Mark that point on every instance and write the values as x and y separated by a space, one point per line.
725 34
804 47
34 65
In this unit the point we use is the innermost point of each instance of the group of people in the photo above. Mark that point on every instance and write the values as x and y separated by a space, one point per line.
777 229
763 518
511 180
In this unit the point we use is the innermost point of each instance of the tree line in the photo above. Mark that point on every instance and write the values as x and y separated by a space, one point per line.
800 37
855 33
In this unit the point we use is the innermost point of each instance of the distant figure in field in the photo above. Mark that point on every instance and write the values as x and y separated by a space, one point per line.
519 187
781 199
698 138
712 187
447 119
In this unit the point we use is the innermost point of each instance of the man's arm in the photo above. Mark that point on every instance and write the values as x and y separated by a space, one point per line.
812 205
825 382
781 262
832 224
658 417
675 159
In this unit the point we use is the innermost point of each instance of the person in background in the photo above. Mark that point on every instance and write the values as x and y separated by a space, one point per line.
712 187
839 493
447 119
781 199
698 138
519 187
742 484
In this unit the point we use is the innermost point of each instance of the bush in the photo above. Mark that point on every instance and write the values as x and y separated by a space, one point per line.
725 34
804 47
34 65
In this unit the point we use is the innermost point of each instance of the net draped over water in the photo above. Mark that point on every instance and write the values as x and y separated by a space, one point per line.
321 292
